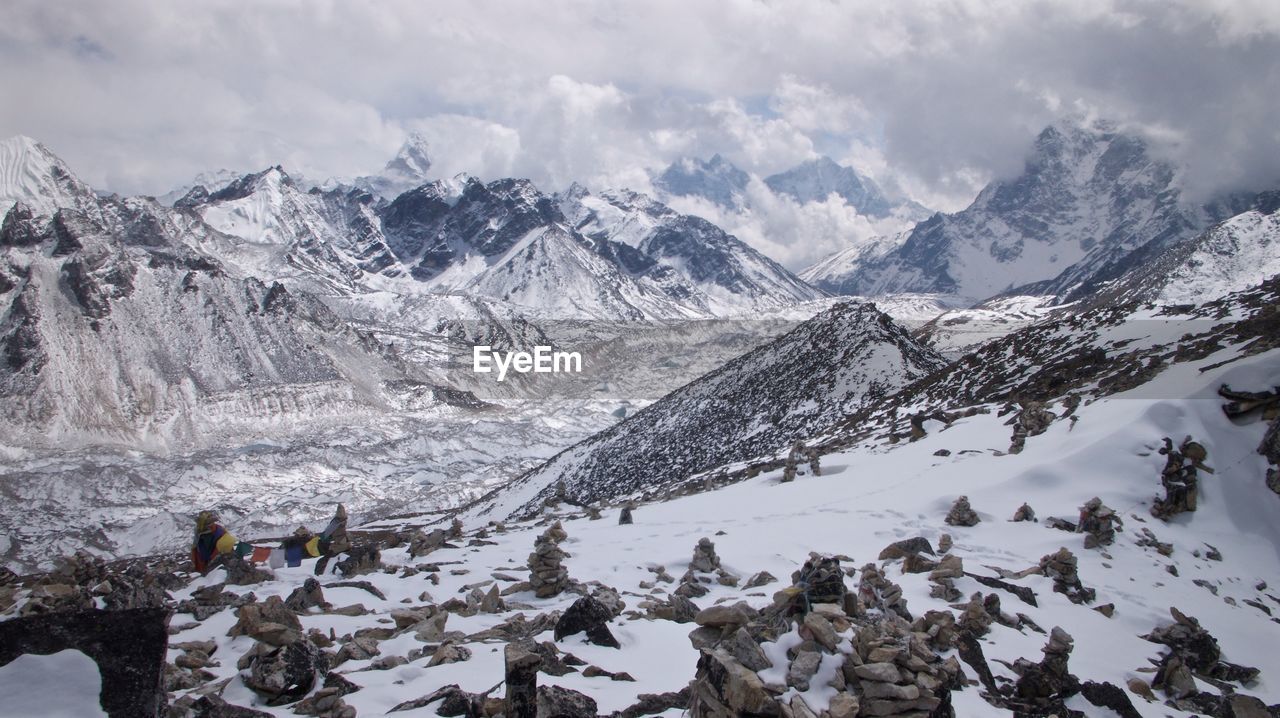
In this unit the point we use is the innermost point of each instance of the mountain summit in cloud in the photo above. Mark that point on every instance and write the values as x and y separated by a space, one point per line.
408 169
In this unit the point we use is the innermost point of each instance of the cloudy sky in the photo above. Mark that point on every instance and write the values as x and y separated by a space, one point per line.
937 97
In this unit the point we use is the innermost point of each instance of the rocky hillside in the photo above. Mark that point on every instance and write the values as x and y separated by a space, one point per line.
843 360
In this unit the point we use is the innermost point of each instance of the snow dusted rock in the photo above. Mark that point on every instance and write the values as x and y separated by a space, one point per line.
944 543
269 621
1042 686
875 590
563 702
676 608
521 680
1189 642
943 578
905 547
587 615
961 514
284 673
764 578
725 615
1024 513
307 596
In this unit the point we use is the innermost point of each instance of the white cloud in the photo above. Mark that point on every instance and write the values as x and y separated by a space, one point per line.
139 95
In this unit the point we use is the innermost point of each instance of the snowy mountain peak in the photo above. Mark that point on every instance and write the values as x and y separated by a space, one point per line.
716 180
1086 198
818 179
408 169
30 172
413 160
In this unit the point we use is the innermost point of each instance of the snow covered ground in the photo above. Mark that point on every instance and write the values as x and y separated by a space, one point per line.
867 497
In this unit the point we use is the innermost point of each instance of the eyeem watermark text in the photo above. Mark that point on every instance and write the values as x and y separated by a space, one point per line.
542 360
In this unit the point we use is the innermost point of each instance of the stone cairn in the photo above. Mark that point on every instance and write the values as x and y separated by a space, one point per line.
547 575
704 568
876 591
1098 523
943 578
1180 477
961 514
1024 513
793 461
1194 649
1042 686
1032 420
882 666
1061 567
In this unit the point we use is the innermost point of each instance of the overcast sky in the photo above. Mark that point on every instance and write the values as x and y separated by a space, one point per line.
140 96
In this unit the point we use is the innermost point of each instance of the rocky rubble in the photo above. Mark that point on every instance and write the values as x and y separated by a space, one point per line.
877 665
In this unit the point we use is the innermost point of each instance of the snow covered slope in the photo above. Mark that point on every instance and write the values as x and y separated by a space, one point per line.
29 172
328 241
833 365
1230 256
838 272
1087 198
1217 565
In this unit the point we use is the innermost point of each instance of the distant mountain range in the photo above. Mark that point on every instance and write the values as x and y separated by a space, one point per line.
1091 203
720 182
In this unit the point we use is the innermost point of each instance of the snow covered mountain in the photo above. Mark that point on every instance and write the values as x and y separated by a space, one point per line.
408 169
1228 257
833 365
507 240
692 259
1087 198
818 179
837 273
716 180
324 240
31 173
116 329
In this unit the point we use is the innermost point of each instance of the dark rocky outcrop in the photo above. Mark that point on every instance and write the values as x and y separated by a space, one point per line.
587 615
129 647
